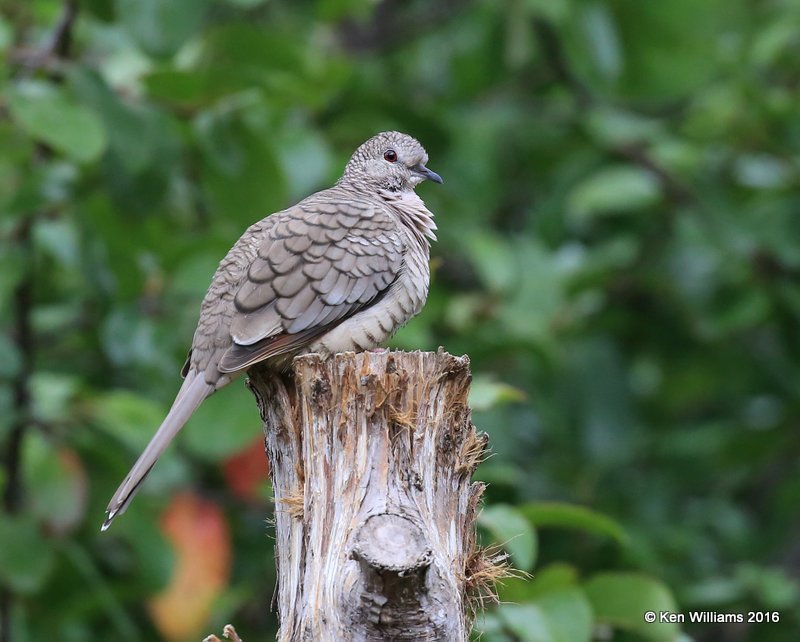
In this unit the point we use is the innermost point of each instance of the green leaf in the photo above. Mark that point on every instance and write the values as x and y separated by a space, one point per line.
245 57
568 614
602 39
773 41
86 565
102 9
144 146
530 309
160 27
623 599
135 132
305 159
494 260
6 34
190 89
544 514
129 338
225 423
551 579
527 622
670 48
775 588
763 171
485 393
241 176
52 393
501 473
553 10
601 405
509 528
128 416
26 558
737 313
611 126
9 357
338 9
565 616
48 115
612 190
56 484
59 239
489 628
154 554
554 577
246 4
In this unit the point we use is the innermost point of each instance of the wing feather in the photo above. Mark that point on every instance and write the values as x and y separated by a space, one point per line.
318 264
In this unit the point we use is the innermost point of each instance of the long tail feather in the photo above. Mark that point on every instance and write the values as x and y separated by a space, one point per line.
192 393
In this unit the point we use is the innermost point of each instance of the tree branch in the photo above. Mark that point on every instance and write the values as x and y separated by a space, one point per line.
393 23
553 51
59 45
23 337
371 457
673 189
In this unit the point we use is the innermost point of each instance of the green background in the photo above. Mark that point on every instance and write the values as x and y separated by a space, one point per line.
619 253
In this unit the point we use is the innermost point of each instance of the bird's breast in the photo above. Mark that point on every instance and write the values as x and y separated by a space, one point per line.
373 326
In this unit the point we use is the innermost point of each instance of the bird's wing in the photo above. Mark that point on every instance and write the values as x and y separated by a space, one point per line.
319 263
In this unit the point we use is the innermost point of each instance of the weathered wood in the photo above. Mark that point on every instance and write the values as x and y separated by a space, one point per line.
371 457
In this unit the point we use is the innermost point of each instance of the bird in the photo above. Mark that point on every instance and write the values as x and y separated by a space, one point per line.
342 270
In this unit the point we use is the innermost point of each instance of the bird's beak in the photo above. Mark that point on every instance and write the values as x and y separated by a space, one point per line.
426 173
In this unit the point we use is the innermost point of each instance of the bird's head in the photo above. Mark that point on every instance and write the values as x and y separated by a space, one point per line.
389 161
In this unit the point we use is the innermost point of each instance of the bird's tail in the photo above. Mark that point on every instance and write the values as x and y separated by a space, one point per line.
192 393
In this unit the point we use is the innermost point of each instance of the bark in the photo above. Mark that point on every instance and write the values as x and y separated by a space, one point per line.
371 457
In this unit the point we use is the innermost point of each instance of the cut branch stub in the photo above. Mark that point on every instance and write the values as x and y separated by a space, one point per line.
371 457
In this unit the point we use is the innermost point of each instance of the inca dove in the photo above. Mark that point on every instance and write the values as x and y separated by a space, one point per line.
341 270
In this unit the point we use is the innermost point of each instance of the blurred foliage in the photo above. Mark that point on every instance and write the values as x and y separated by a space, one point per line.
619 255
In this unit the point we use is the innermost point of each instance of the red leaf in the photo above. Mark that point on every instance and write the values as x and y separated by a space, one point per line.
247 470
200 536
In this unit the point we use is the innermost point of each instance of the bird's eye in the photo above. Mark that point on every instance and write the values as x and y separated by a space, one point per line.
390 155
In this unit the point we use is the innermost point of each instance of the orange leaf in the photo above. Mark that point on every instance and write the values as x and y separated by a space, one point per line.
246 470
198 532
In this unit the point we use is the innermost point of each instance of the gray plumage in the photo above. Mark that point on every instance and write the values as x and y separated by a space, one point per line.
342 270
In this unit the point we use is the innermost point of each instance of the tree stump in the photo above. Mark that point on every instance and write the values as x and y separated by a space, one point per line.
371 456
